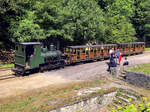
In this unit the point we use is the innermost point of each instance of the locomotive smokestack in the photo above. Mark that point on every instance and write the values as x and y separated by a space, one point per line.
51 47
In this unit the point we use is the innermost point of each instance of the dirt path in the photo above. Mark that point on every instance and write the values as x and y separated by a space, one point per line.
69 74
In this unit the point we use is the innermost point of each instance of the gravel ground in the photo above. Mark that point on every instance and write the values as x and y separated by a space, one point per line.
95 69
70 73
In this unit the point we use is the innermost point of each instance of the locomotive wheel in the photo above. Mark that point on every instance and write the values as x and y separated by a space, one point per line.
41 69
17 74
22 73
62 64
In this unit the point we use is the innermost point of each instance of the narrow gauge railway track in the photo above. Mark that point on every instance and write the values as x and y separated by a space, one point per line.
5 69
5 77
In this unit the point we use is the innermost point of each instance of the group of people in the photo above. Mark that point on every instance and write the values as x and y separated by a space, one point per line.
116 58
116 54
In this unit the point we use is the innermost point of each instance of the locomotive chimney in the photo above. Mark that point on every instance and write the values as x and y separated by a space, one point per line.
51 47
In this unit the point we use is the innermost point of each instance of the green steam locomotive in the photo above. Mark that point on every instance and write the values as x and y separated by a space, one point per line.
32 56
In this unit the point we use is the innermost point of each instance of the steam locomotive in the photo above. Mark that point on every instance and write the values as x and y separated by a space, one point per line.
32 55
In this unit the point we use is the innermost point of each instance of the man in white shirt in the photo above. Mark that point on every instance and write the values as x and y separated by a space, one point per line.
111 53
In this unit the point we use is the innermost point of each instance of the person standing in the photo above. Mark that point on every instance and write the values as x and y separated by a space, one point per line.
111 54
120 58
118 54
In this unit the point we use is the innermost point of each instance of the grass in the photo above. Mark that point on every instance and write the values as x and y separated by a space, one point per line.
119 92
7 66
17 106
145 68
39 99
147 49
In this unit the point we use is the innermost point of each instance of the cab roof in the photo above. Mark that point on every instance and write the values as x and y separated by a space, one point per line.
30 43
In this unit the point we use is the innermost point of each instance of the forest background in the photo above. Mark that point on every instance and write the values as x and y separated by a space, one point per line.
74 22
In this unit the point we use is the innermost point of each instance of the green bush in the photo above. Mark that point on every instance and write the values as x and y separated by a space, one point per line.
144 106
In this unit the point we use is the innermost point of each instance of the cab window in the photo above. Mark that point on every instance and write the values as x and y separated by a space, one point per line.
16 47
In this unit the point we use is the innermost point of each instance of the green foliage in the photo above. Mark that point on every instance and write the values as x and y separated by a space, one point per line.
79 110
100 101
116 101
144 106
101 91
7 66
82 21
119 27
141 20
98 82
18 106
130 99
47 17
147 49
76 87
74 21
26 29
147 30
16 23
119 92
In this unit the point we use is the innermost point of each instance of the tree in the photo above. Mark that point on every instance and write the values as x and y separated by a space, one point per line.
10 11
47 17
26 29
82 21
4 24
74 21
141 20
119 30
117 20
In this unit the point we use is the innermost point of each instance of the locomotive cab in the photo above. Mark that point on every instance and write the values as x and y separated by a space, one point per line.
27 56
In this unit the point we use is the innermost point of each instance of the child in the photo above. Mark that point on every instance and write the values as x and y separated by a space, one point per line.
125 62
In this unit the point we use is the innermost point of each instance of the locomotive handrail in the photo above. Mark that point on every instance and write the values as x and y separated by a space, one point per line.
19 55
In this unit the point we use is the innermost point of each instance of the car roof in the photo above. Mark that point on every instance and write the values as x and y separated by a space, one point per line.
91 46
132 43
